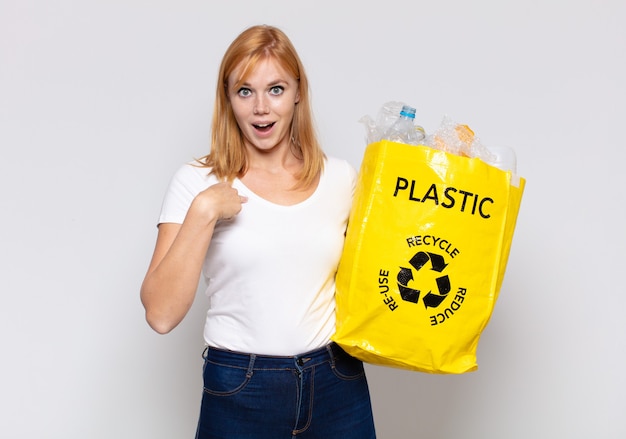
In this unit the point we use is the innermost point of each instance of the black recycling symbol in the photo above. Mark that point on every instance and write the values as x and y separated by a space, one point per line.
430 299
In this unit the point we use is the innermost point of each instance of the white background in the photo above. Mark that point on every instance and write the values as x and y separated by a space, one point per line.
100 101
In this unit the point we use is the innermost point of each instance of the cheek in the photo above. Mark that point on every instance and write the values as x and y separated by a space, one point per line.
286 108
239 111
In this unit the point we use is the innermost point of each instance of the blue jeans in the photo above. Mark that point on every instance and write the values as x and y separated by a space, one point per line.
321 394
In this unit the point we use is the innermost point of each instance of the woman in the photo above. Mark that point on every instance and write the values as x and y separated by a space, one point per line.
263 218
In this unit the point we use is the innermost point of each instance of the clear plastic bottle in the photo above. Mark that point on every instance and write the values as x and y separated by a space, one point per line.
404 129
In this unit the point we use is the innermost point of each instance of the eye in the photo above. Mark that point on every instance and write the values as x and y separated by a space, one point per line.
277 90
244 92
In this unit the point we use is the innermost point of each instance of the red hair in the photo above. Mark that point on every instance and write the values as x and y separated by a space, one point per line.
227 158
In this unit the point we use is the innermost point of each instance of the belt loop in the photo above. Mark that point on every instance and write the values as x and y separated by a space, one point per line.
205 352
331 354
251 365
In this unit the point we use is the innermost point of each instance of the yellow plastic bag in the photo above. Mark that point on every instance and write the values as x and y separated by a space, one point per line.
425 255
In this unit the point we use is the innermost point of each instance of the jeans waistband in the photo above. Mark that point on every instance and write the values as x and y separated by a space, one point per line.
253 361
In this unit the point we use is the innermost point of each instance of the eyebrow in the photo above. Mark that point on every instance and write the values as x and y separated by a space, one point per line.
270 84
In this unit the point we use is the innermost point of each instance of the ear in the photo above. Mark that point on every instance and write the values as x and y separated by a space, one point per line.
297 97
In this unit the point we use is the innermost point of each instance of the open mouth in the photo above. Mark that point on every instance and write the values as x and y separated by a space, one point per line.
263 127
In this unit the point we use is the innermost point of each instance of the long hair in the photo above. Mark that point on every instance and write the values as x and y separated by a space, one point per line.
227 157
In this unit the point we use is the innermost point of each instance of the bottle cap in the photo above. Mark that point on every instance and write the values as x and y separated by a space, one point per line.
407 111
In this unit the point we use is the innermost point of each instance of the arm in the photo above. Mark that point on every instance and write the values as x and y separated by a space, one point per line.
170 285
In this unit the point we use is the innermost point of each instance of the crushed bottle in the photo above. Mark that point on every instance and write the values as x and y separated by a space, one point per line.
404 129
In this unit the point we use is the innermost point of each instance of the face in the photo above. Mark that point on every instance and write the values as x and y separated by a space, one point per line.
264 105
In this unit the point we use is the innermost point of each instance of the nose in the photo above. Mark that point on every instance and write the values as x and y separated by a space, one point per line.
260 105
